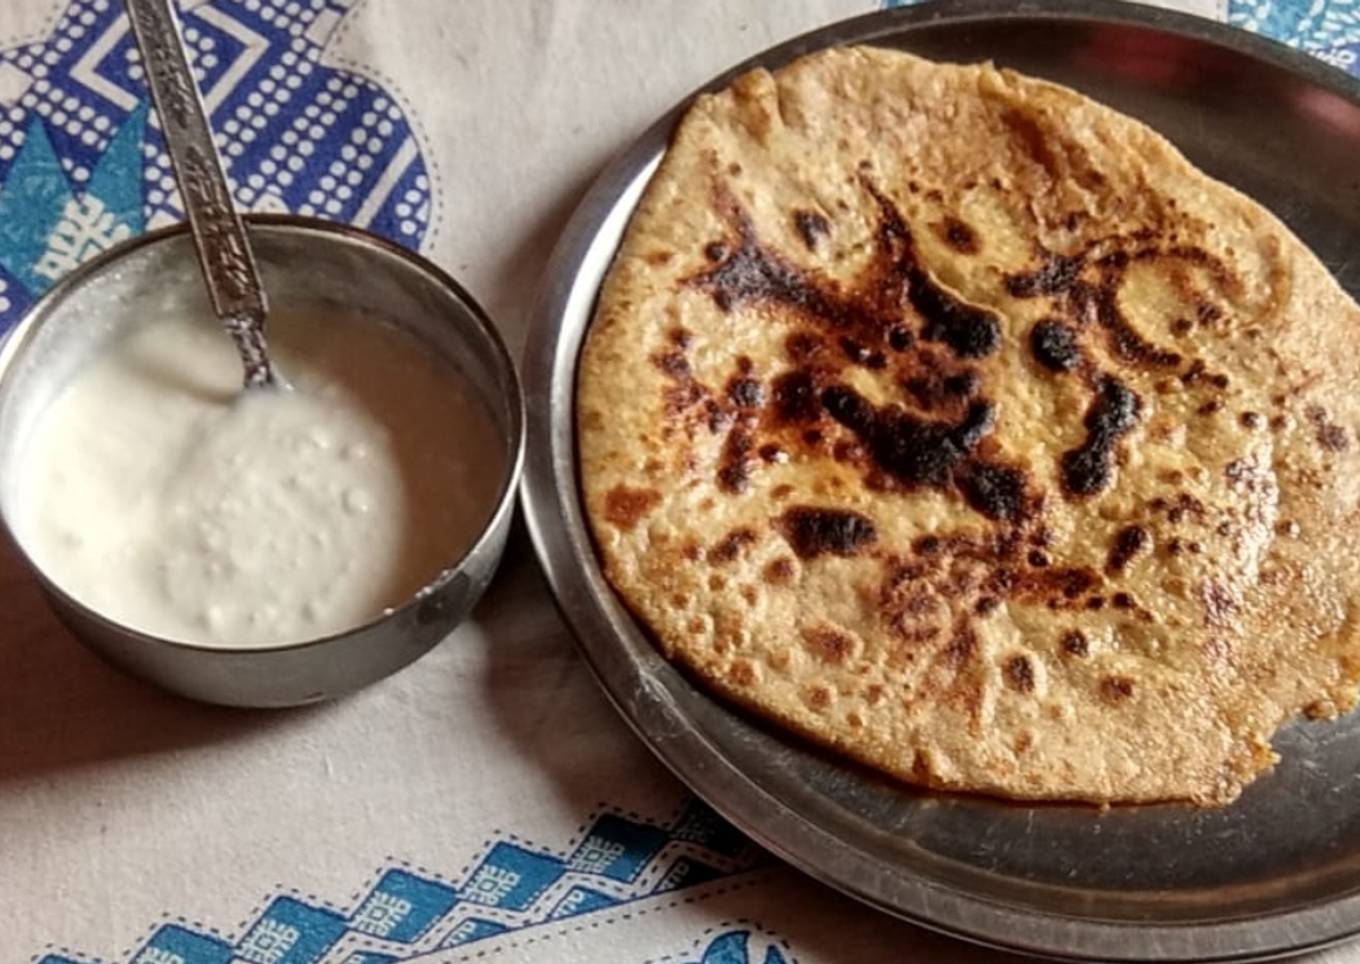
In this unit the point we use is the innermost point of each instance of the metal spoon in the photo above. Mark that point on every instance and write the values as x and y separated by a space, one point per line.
220 237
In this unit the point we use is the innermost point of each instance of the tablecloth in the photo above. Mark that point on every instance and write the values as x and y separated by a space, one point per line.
486 803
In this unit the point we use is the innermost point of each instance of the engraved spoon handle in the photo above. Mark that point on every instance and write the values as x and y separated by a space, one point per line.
219 234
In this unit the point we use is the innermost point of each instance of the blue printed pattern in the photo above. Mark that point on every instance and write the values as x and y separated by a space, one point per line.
1328 29
83 165
737 947
410 911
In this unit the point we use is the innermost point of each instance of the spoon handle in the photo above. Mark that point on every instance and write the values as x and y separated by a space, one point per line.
220 237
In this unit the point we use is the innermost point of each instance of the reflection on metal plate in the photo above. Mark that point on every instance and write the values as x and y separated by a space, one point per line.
1277 872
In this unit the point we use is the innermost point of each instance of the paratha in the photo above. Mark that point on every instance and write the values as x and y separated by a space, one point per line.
956 422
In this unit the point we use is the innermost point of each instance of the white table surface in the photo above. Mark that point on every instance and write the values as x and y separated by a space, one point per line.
485 803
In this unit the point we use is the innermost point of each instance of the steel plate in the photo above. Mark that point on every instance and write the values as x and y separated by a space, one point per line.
1276 873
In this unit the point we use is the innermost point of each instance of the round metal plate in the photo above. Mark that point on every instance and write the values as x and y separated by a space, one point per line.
1279 871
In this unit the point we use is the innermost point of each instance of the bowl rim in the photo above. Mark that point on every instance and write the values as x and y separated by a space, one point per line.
15 343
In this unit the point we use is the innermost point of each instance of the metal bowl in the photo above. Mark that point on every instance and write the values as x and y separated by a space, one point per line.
306 264
1275 873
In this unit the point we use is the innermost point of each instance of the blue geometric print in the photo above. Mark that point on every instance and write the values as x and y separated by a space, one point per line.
735 947
291 932
38 207
581 900
179 945
511 877
703 826
618 848
407 911
471 930
687 873
1328 29
83 165
403 907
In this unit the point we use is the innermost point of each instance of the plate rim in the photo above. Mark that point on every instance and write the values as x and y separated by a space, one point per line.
575 581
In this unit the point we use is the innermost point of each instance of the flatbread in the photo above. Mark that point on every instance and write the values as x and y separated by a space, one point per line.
955 421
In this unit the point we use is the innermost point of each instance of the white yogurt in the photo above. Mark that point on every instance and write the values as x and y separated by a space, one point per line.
157 494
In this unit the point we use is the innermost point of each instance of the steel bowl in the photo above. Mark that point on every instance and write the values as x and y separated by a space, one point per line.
306 264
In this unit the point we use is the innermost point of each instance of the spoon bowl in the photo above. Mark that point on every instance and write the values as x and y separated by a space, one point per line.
223 245
310 267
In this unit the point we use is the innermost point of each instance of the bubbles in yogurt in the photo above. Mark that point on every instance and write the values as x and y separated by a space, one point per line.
157 494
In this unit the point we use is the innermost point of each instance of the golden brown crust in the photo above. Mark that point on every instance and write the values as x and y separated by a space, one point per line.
955 421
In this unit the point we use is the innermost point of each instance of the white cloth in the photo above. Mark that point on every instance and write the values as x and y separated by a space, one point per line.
487 799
